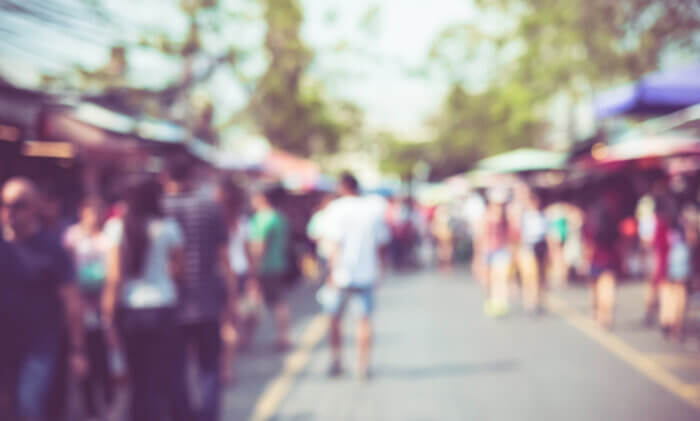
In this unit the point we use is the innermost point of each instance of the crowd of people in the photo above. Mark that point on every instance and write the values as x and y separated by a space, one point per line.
515 238
521 245
172 273
176 269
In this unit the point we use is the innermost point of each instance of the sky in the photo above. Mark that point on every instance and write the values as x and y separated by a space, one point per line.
377 70
386 87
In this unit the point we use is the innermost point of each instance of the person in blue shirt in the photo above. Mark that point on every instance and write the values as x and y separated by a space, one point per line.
40 300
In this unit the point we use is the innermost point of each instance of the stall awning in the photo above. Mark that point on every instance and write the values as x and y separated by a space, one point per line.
64 126
523 160
104 118
161 131
296 173
649 147
203 151
661 92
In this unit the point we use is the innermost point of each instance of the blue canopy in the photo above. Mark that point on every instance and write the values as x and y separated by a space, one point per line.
661 92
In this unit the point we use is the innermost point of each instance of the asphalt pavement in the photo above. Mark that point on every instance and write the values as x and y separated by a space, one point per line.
437 357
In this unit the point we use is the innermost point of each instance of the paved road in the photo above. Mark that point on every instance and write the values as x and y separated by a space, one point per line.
438 358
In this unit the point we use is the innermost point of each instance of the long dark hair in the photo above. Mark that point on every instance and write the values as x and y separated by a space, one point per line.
233 198
143 201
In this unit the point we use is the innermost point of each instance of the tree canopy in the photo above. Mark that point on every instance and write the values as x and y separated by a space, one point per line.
524 52
285 103
502 68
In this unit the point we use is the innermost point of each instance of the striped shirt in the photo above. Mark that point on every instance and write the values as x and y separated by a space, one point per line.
202 290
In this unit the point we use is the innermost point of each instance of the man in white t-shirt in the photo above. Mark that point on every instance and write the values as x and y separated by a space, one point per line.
355 226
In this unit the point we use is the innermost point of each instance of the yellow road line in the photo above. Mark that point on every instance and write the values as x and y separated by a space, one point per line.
676 361
275 392
645 365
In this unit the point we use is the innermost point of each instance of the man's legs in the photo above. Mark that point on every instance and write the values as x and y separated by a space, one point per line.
336 339
282 316
173 347
364 331
652 302
33 388
654 289
527 266
499 271
364 345
208 347
681 298
253 302
272 289
605 290
58 393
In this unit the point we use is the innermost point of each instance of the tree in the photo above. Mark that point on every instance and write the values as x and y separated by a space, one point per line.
290 108
468 127
504 75
550 46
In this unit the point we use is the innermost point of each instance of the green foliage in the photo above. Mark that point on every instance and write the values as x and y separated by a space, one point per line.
399 156
578 44
541 48
287 106
472 126
290 109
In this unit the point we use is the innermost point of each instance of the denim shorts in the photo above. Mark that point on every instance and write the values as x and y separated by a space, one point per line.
498 257
362 300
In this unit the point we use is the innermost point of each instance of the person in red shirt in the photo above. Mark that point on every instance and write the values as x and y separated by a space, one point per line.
602 239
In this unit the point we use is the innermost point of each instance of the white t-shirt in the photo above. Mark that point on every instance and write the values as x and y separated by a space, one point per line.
357 226
89 253
237 248
533 228
317 230
155 288
474 210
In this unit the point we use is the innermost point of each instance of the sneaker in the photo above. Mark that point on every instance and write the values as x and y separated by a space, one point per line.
494 309
501 310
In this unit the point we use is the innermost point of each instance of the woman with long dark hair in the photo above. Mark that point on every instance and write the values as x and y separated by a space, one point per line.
232 197
141 296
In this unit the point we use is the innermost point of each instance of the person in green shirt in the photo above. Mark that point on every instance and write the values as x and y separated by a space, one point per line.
269 241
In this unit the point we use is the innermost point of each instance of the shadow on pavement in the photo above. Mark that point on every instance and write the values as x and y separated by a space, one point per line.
445 370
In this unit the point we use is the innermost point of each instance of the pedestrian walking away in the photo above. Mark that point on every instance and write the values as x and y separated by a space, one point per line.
532 254
140 297
359 234
269 245
207 290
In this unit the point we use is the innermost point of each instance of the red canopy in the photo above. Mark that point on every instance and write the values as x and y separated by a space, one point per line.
295 172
